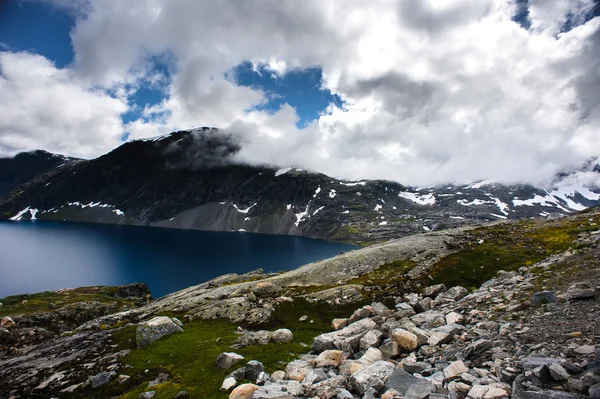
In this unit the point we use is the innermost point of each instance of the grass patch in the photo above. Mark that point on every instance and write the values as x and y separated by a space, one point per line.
50 300
388 273
508 246
189 357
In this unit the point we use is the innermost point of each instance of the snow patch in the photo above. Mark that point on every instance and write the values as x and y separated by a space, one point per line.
119 212
353 183
474 202
346 212
244 210
332 193
384 223
317 191
426 228
318 210
377 207
456 217
498 216
282 171
424 199
289 206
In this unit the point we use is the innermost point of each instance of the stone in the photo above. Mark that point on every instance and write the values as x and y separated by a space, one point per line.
262 378
434 290
344 394
244 391
155 328
248 338
282 335
228 384
371 338
238 374
406 341
454 370
542 375
123 378
362 313
344 338
372 376
453 294
497 391
477 348
182 395
419 390
429 319
558 372
478 391
297 370
455 318
371 356
595 391
303 318
422 335
272 391
543 297
391 394
585 350
458 389
266 289
438 338
581 290
228 359
403 310
102 378
7 322
424 305
162 377
147 395
329 358
338 324
416 367
314 376
400 380
327 388
278 375
253 370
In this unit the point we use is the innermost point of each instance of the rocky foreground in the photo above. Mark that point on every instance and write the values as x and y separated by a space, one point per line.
369 326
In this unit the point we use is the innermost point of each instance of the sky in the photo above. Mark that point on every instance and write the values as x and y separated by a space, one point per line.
416 91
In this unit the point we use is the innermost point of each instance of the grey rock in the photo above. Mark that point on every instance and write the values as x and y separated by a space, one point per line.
238 374
585 350
156 328
543 297
453 294
262 378
344 394
162 377
403 310
297 370
455 369
558 372
248 338
424 305
282 335
253 370
314 376
228 359
581 290
477 348
542 375
416 367
530 363
595 391
373 376
147 395
420 390
362 313
182 395
272 391
102 378
429 319
266 289
228 384
371 356
371 338
401 380
327 388
353 331
434 290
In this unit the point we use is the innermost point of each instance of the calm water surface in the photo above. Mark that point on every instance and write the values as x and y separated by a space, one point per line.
40 256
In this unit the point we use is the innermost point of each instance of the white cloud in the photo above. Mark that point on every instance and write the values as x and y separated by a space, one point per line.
434 91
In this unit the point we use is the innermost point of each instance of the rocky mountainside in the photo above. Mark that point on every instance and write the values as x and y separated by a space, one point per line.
27 166
503 310
189 179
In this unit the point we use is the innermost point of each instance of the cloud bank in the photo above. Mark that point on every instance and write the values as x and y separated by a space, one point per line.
433 91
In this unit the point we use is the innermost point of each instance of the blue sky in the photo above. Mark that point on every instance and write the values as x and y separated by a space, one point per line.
43 29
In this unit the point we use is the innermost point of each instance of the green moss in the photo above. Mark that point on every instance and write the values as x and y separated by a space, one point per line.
189 357
388 273
50 300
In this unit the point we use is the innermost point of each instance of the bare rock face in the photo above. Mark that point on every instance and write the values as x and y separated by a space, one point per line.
156 328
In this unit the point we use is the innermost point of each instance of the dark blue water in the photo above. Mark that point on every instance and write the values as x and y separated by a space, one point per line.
41 256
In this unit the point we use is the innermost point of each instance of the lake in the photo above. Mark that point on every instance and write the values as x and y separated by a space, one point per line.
41 256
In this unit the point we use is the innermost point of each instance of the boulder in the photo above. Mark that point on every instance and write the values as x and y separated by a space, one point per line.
453 294
400 380
581 290
477 348
282 335
314 376
272 391
278 375
248 338
429 319
434 290
228 359
371 356
156 328
244 391
135 290
558 372
147 395
372 376
182 395
297 370
228 384
362 313
438 338
419 390
403 310
585 350
346 337
328 388
329 358
406 341
455 318
371 338
454 370
266 289
7 322
253 370
416 367
102 378
595 391
338 324
424 305
162 377
543 297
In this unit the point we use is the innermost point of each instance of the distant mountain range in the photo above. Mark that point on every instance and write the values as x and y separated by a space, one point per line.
187 179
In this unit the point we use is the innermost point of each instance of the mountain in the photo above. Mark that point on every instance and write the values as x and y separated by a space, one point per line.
27 166
190 179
